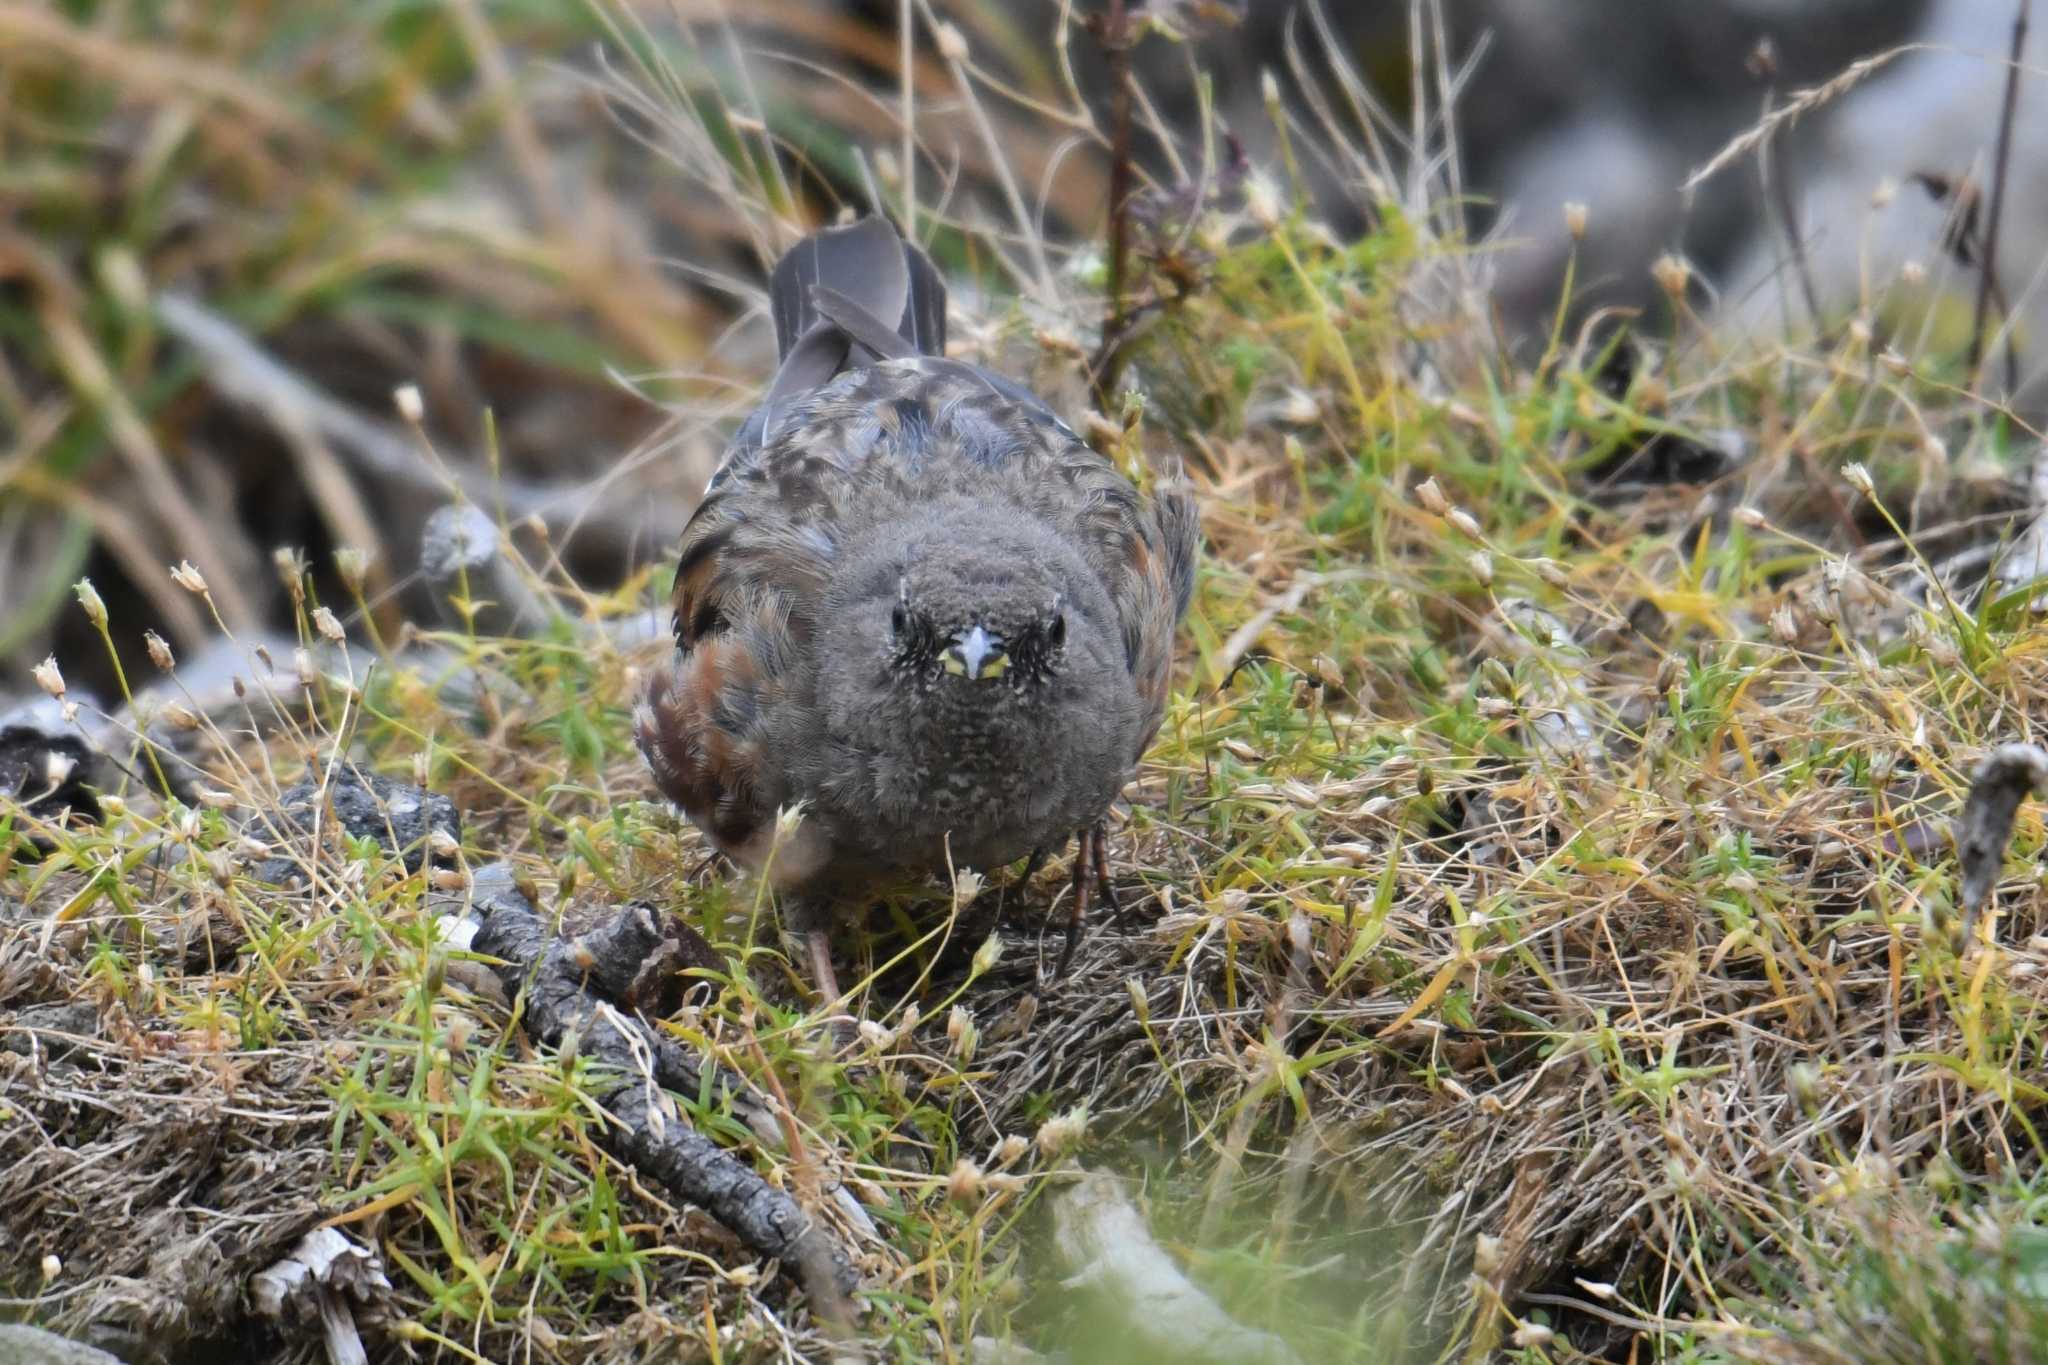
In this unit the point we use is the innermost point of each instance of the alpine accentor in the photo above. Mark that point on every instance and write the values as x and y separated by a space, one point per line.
913 601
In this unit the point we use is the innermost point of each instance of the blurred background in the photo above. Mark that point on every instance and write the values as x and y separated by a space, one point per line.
229 229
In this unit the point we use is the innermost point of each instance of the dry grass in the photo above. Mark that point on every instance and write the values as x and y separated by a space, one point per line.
1535 940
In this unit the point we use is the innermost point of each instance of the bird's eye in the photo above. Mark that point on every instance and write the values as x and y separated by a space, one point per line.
899 620
1056 630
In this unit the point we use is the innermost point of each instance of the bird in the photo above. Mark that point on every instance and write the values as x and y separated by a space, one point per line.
919 623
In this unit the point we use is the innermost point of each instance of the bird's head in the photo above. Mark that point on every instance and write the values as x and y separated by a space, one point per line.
966 621
946 637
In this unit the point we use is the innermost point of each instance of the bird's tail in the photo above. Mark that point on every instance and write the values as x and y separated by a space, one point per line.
850 296
871 268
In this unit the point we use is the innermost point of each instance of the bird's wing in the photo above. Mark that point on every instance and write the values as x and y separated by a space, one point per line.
1145 552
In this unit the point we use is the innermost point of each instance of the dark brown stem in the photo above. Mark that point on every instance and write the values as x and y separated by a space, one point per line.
1988 267
1778 174
1115 37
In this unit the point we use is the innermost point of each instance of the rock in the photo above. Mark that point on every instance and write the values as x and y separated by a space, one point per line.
23 1345
399 816
54 1029
47 762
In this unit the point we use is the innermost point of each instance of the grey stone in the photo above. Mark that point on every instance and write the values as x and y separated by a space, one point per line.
55 1028
398 815
23 1345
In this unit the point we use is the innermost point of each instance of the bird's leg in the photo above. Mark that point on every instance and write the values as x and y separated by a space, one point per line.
811 920
1103 886
1091 865
818 944
1031 866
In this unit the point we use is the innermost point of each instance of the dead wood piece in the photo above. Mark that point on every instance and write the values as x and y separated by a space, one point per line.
2005 778
323 1279
637 958
243 371
651 1133
1107 1254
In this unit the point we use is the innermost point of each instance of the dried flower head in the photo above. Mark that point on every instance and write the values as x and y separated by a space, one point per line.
1672 274
89 598
353 564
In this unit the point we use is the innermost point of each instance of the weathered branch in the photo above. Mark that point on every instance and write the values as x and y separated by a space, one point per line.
553 979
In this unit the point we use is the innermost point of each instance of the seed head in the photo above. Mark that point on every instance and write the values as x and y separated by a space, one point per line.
89 598
412 408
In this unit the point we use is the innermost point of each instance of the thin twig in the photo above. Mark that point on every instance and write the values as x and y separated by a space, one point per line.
1774 164
1988 267
1115 37
906 82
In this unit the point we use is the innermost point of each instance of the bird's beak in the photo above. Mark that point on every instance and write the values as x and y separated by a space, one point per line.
976 654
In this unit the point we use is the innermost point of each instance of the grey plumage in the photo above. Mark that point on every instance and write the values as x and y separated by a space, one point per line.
912 600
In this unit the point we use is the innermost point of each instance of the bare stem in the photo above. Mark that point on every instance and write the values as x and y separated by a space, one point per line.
1988 268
